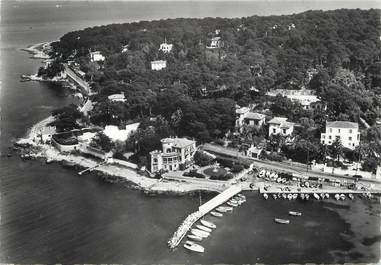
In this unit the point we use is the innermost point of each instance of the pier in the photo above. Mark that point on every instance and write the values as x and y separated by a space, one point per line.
202 210
90 168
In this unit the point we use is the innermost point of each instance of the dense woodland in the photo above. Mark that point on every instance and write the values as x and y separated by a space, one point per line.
342 48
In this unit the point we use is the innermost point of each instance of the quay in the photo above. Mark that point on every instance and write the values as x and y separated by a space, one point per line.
300 190
202 210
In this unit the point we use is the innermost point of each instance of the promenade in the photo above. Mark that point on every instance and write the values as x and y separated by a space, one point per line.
85 87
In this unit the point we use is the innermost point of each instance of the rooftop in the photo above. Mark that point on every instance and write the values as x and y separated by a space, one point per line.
178 142
254 116
278 120
342 124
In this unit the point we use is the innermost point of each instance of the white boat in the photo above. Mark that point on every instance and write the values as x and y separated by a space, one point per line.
302 196
295 196
307 196
241 196
294 213
284 196
193 246
232 204
316 196
262 173
342 197
234 201
350 195
322 196
275 197
204 228
281 221
198 232
289 196
208 224
327 195
216 214
265 196
193 237
337 197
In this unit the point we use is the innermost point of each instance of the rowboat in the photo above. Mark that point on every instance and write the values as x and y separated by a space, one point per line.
337 197
204 228
193 246
281 221
265 196
216 214
350 195
232 204
295 196
198 232
193 237
294 213
342 197
289 196
316 196
208 224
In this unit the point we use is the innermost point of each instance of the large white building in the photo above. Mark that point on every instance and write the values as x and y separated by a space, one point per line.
166 47
345 131
280 125
96 56
305 97
176 152
158 65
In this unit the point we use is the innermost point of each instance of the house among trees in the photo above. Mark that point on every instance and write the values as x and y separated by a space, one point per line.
280 125
245 117
158 65
165 47
215 43
176 153
254 151
344 131
305 97
96 56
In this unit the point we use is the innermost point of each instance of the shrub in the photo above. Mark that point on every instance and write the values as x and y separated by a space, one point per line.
237 168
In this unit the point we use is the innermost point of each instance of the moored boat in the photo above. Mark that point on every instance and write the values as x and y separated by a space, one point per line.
294 196
350 196
316 196
204 228
208 224
327 195
342 197
289 196
216 214
307 196
232 204
337 197
302 196
194 237
265 196
284 196
275 197
198 232
193 246
281 221
294 213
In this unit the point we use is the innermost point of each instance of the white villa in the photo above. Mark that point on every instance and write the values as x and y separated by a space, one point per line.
280 125
115 134
165 47
96 56
215 42
245 116
345 131
117 97
158 65
176 152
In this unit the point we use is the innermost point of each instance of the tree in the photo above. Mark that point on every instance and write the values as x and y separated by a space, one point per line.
103 142
336 149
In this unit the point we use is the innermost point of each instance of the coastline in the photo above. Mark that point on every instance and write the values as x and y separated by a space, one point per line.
49 153
37 50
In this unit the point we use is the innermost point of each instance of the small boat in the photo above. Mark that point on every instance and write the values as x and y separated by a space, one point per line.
294 213
350 196
327 195
241 196
275 197
289 196
337 197
302 196
265 196
281 221
208 224
342 197
216 214
198 232
232 204
193 237
316 196
193 246
295 196
204 228
322 196
307 196
284 196
234 201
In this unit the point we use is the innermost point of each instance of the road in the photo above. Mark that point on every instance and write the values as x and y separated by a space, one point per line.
297 170
83 84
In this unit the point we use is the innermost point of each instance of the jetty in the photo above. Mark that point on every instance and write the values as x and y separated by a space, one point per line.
90 168
202 210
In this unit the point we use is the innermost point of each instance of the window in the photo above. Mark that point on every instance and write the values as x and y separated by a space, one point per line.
323 136
350 130
330 137
274 130
330 130
284 131
338 130
155 160
350 138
